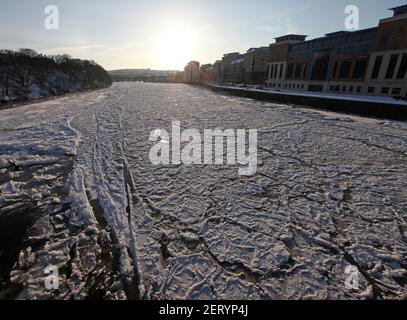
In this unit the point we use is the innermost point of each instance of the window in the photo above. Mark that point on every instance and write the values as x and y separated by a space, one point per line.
355 38
369 36
396 91
401 74
349 50
332 88
297 73
275 71
384 40
360 68
370 90
358 89
351 89
320 70
304 71
385 90
335 69
290 71
317 44
365 48
376 67
281 71
344 69
344 88
392 66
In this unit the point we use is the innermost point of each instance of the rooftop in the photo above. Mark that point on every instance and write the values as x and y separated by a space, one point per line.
231 54
337 33
291 37
259 49
399 10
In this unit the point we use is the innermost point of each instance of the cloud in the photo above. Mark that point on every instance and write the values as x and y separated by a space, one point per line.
128 46
279 28
71 48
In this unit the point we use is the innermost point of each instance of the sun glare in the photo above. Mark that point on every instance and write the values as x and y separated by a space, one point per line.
175 48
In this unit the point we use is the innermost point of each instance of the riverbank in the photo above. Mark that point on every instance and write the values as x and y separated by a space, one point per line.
16 104
378 107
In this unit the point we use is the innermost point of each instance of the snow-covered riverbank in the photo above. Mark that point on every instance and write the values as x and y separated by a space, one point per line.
370 106
328 193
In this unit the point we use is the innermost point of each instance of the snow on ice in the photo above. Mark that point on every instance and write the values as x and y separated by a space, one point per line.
75 174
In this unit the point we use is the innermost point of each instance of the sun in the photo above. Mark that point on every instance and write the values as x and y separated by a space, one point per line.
175 47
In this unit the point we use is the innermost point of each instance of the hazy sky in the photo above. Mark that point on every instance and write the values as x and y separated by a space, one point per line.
165 34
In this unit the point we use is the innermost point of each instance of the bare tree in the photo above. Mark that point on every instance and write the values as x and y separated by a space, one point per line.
20 70
4 80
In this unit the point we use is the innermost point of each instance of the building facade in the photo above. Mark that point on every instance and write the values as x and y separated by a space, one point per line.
368 62
255 65
208 73
192 72
232 68
278 60
387 69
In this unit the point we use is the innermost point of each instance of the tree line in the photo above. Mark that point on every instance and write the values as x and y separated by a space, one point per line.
26 74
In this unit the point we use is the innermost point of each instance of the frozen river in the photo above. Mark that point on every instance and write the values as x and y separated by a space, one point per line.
78 192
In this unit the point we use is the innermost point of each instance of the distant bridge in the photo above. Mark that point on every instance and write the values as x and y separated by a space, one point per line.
147 78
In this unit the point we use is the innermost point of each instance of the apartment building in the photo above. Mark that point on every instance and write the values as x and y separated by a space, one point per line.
387 70
324 63
255 65
192 72
370 61
208 73
232 68
278 59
